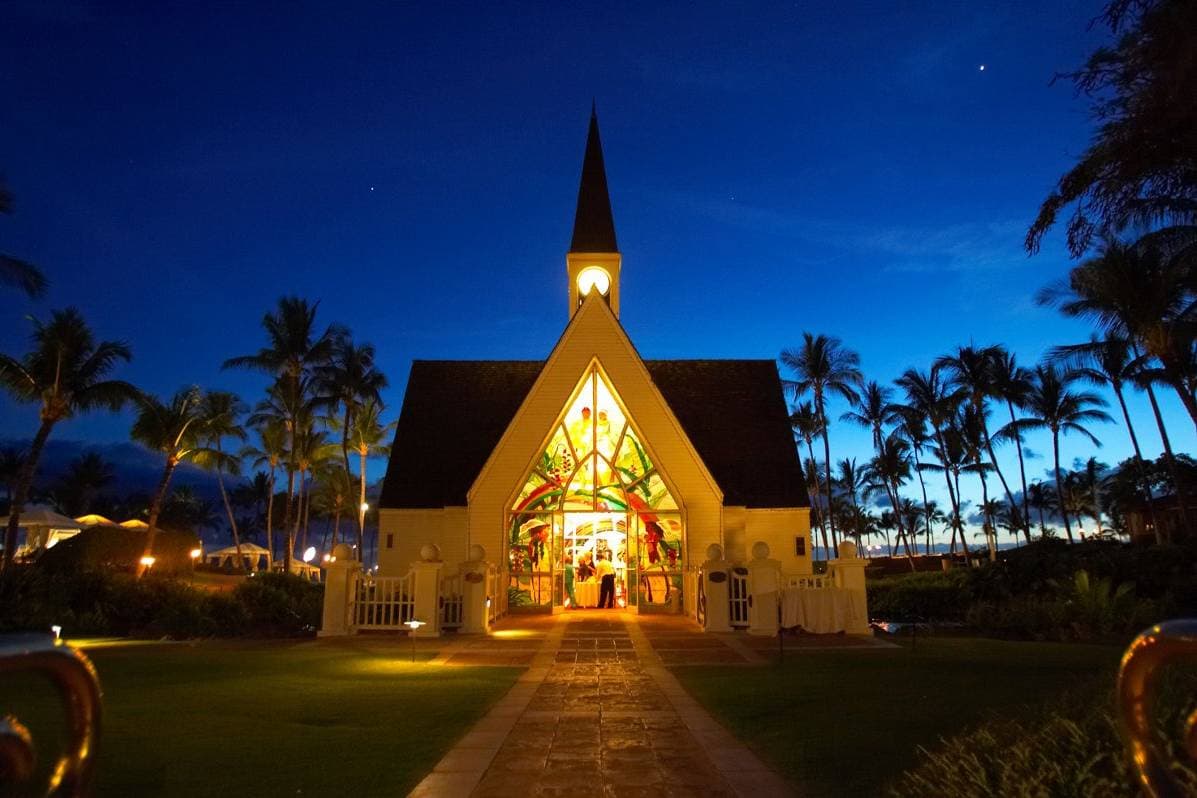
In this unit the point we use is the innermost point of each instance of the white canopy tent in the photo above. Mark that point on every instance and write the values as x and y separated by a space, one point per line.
300 568
253 557
44 528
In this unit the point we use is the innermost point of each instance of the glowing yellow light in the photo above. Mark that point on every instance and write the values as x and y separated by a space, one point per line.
148 561
57 630
365 506
328 558
593 277
511 633
309 554
195 554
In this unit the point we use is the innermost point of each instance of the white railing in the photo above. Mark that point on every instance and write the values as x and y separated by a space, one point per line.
383 602
808 581
692 580
496 593
737 596
451 601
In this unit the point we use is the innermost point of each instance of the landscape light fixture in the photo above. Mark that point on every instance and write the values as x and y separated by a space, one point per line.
57 630
195 553
148 560
413 625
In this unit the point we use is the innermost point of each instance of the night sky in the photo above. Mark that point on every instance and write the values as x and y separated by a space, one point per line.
841 168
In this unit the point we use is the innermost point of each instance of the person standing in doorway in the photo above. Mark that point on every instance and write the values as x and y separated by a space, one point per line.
606 574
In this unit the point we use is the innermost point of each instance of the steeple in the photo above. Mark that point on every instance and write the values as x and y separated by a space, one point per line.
593 260
594 227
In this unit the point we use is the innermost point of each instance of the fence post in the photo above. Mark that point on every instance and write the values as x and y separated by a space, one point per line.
764 584
338 592
715 583
428 591
475 614
848 573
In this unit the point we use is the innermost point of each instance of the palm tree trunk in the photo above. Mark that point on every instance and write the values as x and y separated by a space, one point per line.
818 491
21 494
1022 473
287 518
926 506
307 511
993 460
1140 466
336 530
155 510
1182 499
990 531
228 508
1060 484
827 459
361 510
270 523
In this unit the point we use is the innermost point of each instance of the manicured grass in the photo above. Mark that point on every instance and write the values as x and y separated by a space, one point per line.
267 719
848 723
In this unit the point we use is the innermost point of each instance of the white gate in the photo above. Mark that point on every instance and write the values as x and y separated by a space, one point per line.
451 601
737 596
383 602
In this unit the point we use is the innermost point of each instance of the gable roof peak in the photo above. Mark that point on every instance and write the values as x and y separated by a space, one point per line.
594 225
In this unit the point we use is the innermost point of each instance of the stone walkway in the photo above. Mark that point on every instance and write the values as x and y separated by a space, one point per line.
598 713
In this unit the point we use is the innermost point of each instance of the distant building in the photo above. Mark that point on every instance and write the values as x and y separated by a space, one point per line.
1166 511
595 452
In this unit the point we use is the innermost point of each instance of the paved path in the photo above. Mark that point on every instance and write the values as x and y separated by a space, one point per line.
597 713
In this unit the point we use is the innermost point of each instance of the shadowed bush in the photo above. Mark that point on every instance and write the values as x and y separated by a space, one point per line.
106 548
99 604
1074 749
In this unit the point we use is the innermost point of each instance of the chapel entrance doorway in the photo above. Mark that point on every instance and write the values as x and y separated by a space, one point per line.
594 496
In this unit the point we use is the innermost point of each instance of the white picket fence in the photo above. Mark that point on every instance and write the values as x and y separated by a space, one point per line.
383 602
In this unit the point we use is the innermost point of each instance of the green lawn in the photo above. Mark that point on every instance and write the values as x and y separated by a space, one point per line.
266 719
849 722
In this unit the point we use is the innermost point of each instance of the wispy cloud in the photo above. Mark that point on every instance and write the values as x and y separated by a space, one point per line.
989 245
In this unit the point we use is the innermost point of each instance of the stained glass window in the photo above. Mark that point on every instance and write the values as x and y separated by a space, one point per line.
594 461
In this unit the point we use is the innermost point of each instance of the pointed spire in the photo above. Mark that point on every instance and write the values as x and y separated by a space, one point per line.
594 227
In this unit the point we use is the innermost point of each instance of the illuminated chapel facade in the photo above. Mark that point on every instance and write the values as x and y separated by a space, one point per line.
594 453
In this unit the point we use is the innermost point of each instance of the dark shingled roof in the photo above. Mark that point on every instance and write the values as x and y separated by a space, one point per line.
594 226
454 413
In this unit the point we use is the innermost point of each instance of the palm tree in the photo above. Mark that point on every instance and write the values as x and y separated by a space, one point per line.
1042 500
977 372
1051 405
14 271
1138 169
220 412
172 429
912 428
1089 480
891 468
807 427
294 350
928 396
85 477
823 366
64 374
368 438
1110 362
312 450
347 381
852 481
332 495
1010 385
269 453
971 429
1142 292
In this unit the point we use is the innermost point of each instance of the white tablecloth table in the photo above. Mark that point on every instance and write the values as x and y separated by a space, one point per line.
818 610
586 593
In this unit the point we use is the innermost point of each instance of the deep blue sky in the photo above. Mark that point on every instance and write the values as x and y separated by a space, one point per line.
843 168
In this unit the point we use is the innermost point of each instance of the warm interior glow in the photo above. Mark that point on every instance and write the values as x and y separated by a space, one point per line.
593 277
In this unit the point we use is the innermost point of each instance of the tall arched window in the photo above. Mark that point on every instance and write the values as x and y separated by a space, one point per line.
594 491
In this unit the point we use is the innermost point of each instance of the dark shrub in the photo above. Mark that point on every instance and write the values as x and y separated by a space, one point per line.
97 603
106 548
280 604
931 596
1072 749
